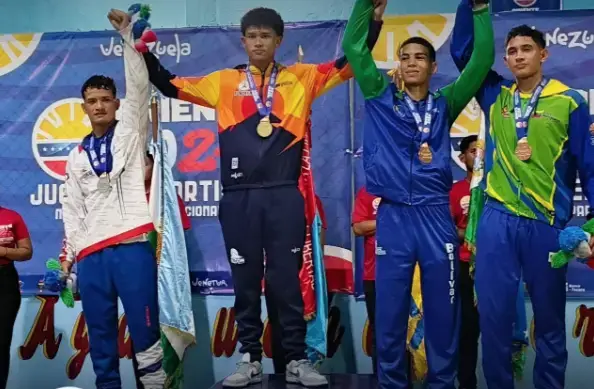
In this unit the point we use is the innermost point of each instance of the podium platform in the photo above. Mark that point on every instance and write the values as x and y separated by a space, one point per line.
336 381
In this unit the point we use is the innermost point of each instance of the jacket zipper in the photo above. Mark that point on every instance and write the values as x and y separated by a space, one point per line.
410 176
121 198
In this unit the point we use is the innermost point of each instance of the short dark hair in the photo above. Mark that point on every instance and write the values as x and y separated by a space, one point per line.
466 142
99 82
263 17
527 31
423 42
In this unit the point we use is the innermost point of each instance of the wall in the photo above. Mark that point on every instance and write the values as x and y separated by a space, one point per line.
48 338
89 15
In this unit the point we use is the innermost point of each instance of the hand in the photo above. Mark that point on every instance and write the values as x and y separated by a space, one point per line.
118 19
591 243
66 267
379 9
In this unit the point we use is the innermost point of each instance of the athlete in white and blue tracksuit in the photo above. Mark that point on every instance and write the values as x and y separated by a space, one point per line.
106 222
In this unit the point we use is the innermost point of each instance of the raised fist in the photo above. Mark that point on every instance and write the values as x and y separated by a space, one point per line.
118 19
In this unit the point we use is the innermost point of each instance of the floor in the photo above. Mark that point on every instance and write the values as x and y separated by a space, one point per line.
337 381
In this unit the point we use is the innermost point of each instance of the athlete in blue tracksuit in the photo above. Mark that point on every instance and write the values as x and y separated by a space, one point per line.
407 163
529 199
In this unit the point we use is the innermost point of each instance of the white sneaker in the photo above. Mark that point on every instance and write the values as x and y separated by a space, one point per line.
302 372
247 373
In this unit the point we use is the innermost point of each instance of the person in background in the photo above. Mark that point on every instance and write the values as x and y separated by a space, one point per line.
15 246
364 225
469 326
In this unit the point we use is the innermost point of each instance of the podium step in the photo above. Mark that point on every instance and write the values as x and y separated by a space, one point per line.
336 381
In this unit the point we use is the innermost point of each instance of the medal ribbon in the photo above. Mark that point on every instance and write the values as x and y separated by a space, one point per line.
264 110
522 118
103 162
424 126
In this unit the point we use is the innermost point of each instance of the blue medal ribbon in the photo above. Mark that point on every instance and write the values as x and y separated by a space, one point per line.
424 126
522 118
263 109
103 162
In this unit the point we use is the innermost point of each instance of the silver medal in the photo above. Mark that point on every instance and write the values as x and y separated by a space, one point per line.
104 186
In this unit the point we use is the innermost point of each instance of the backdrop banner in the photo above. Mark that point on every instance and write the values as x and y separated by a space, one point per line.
41 121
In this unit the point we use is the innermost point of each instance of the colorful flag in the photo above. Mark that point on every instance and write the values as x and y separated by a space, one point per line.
175 299
477 196
313 272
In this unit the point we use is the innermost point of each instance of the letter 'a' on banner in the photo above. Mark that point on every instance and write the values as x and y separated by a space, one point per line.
526 5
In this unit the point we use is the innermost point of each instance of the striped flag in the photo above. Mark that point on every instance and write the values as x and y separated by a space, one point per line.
175 299
477 196
313 272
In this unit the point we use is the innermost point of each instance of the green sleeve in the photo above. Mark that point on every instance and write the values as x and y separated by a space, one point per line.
459 93
357 52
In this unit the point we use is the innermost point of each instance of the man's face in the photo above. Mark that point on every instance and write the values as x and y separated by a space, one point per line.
260 43
100 105
415 65
467 158
524 57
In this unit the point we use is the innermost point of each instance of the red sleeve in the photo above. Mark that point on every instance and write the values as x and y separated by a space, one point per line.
361 211
19 228
455 207
321 212
186 223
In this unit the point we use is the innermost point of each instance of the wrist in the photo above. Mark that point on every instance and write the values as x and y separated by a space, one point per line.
4 252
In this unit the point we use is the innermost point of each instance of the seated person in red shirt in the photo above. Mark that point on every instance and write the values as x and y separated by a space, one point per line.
459 203
364 225
15 246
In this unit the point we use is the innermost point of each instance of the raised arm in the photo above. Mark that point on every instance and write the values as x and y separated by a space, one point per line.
581 144
72 206
331 74
358 53
204 91
460 92
135 110
461 46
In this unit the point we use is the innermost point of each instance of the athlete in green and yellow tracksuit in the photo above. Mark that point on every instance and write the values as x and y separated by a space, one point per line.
407 162
539 135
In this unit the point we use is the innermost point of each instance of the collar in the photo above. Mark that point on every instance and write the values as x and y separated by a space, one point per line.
256 72
399 94
554 87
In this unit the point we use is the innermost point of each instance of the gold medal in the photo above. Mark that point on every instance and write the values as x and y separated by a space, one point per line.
264 127
523 150
425 154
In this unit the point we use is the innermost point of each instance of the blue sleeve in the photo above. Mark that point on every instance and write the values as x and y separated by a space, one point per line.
581 145
461 45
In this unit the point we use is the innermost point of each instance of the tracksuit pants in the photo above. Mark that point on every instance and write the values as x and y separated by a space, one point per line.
270 220
510 247
10 302
127 271
469 328
406 234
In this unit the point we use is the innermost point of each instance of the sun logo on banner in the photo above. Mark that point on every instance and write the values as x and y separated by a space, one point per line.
470 122
60 128
396 29
15 49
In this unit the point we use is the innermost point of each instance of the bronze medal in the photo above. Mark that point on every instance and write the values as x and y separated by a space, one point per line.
425 154
264 127
523 150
